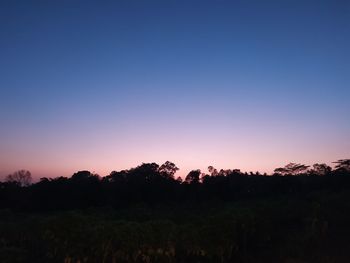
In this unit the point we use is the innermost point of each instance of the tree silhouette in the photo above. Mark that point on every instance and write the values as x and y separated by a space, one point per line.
168 170
212 171
84 176
292 169
321 169
144 172
116 176
342 165
21 177
193 177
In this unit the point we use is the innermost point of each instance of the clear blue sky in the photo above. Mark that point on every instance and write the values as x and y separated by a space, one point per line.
104 85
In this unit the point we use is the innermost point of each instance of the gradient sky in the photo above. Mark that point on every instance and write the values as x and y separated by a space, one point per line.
107 85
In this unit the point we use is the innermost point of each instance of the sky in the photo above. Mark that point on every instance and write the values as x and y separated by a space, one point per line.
108 85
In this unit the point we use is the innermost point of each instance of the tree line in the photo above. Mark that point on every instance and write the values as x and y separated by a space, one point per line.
156 184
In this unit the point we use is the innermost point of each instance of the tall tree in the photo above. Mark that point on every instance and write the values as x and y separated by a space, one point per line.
168 170
22 177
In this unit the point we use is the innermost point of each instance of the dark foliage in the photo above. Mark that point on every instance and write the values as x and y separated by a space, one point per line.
298 214
153 184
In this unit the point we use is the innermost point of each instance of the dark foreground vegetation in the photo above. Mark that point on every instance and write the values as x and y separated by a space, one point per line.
299 214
